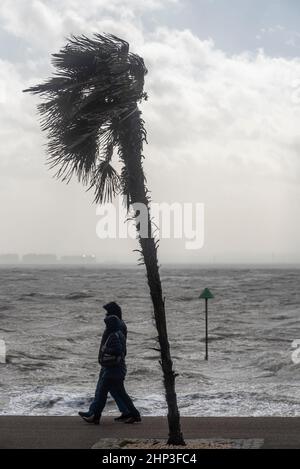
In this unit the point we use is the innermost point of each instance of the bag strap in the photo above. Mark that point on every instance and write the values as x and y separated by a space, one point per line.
105 344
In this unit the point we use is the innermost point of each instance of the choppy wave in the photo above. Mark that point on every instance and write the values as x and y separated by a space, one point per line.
47 401
78 296
54 296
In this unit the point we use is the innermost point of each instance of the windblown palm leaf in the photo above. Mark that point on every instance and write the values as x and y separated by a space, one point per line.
97 84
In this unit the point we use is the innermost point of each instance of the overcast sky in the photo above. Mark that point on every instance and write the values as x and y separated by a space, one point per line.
222 118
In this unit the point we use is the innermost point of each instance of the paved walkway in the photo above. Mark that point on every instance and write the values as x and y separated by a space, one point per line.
72 432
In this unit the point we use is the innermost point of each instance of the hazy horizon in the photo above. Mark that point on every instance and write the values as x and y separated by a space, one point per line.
98 262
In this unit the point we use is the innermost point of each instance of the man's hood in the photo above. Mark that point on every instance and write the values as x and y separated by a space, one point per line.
113 309
113 323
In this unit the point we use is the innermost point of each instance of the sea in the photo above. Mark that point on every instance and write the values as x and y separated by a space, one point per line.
51 319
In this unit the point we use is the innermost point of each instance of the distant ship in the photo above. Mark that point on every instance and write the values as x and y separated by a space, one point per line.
46 259
39 259
9 259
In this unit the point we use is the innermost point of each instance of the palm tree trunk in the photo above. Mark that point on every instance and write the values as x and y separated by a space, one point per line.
132 136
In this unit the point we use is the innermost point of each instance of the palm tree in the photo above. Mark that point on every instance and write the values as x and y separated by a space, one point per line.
90 109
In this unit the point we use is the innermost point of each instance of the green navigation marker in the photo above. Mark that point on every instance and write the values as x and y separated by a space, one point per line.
206 295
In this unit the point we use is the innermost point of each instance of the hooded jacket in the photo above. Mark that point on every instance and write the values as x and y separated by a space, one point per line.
116 345
115 342
114 309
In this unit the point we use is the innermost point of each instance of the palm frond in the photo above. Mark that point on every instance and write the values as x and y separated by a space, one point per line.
97 83
105 181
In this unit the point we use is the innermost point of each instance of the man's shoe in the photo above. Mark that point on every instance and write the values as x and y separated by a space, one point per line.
91 419
84 414
133 420
122 418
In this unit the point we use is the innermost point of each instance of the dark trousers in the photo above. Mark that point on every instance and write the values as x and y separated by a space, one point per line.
111 380
115 395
